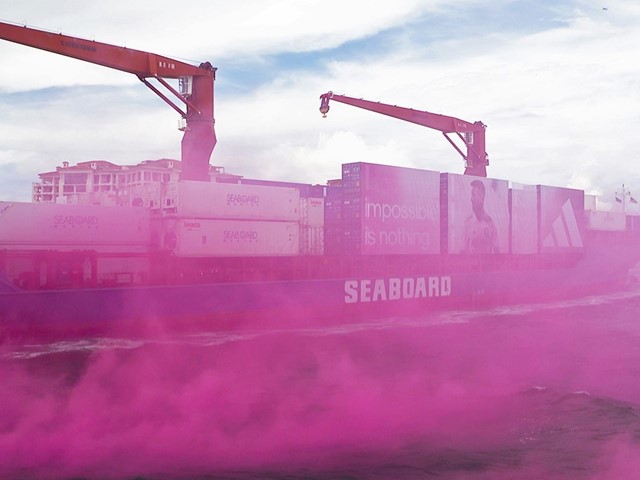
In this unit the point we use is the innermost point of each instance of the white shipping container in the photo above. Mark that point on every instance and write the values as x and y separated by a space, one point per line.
239 202
44 226
606 221
311 240
312 212
524 220
562 218
211 238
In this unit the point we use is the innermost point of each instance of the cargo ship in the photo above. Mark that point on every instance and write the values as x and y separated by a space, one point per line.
382 241
213 251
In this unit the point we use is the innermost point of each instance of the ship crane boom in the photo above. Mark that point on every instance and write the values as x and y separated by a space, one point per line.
195 96
471 134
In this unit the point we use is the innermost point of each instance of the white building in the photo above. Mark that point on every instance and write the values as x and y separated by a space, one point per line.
151 183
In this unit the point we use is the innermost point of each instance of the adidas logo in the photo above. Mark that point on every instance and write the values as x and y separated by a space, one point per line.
565 231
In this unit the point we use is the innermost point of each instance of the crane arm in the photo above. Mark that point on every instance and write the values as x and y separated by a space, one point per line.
199 138
471 134
141 64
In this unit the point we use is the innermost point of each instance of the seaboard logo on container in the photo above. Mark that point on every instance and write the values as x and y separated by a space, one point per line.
382 290
240 236
73 221
238 200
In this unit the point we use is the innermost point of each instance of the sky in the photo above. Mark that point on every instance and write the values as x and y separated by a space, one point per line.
556 82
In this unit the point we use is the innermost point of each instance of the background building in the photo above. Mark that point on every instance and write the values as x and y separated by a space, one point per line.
151 183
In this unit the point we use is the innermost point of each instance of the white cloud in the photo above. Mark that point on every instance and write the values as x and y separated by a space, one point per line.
200 30
560 104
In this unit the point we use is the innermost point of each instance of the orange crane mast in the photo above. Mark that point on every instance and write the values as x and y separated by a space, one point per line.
471 134
195 91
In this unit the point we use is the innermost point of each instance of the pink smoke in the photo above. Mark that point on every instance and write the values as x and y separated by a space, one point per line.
293 401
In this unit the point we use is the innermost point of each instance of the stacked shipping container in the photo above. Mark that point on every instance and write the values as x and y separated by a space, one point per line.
45 244
49 226
381 210
225 219
311 212
372 210
333 219
311 226
389 210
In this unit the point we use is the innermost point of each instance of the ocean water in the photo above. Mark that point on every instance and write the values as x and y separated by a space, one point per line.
522 392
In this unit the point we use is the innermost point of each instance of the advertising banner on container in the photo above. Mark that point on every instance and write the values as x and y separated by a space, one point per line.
477 214
400 210
561 218
524 220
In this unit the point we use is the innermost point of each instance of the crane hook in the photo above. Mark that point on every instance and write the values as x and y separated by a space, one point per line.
324 103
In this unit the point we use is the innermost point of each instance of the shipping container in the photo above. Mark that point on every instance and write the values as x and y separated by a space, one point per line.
312 211
606 221
352 176
38 226
311 240
523 208
306 190
239 202
475 214
633 223
390 210
333 220
590 202
561 218
196 237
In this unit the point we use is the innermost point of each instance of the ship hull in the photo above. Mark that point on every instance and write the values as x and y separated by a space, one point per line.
157 309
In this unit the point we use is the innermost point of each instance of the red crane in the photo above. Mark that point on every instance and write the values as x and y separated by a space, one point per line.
471 134
195 85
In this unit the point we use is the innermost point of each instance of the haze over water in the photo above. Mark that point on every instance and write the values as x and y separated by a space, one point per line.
541 391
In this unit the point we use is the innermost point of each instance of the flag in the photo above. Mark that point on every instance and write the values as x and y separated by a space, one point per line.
633 200
618 199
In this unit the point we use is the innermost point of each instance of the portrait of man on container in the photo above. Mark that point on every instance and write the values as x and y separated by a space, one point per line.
480 232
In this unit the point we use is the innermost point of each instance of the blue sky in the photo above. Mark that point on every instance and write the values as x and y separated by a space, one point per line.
556 83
